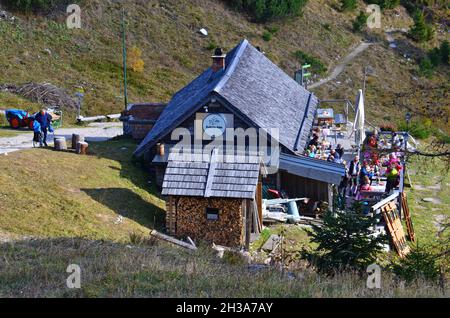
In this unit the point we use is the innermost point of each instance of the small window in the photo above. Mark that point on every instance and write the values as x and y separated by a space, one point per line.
212 214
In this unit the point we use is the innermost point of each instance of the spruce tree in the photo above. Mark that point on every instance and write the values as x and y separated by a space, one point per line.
421 31
345 241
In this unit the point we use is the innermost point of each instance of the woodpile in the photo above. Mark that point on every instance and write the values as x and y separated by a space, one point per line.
44 93
191 220
76 139
60 144
82 148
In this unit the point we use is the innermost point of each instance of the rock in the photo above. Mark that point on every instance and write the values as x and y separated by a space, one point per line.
203 32
272 243
432 200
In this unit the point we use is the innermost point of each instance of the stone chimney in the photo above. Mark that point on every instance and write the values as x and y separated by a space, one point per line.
218 60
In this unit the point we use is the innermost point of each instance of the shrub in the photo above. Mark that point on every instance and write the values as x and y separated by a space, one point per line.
267 36
348 5
135 60
388 127
263 10
360 22
421 31
345 241
426 67
327 26
211 45
36 5
418 129
384 4
316 64
420 263
445 52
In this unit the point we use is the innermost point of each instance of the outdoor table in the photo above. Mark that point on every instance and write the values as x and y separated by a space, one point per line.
377 189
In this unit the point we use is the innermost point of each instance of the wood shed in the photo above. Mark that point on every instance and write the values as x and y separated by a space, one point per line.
213 201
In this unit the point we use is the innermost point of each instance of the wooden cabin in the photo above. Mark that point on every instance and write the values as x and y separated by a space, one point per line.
241 90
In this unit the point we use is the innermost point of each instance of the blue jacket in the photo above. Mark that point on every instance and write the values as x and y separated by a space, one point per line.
45 120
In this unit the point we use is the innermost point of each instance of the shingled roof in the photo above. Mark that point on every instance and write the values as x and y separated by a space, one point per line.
250 85
211 178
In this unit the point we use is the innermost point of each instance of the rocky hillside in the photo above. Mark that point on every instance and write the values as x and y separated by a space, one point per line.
38 47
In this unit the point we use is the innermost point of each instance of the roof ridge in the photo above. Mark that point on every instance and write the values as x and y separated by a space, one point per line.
230 69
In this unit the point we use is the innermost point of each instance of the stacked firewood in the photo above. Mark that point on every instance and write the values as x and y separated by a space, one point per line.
191 220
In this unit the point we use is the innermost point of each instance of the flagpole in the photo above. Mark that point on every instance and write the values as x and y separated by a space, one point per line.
124 55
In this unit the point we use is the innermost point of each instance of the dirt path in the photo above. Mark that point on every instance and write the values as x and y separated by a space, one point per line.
93 132
341 66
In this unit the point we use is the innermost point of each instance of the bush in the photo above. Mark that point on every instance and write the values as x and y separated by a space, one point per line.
421 31
418 129
426 67
445 52
316 64
388 127
267 36
345 241
263 10
327 26
348 5
36 5
384 4
360 22
420 263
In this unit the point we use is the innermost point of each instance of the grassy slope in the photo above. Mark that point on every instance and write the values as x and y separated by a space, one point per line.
38 269
76 200
174 53
53 194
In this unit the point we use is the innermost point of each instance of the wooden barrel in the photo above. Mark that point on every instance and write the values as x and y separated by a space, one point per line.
75 139
60 143
82 148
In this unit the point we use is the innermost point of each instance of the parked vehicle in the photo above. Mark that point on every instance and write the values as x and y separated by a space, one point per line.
19 118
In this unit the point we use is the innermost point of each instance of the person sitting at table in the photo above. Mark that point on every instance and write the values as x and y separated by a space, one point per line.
340 150
314 141
334 154
372 142
366 184
393 177
310 151
366 170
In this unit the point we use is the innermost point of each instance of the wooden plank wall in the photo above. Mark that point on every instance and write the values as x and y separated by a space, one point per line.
300 187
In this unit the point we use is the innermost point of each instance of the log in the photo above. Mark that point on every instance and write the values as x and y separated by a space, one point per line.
82 148
60 143
172 240
75 139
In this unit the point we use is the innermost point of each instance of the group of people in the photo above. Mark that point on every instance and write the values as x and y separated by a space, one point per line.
360 175
322 149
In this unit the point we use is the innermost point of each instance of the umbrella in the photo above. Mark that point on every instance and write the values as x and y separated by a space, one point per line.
359 119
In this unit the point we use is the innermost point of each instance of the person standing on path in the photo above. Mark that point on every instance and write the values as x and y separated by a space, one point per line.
45 120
